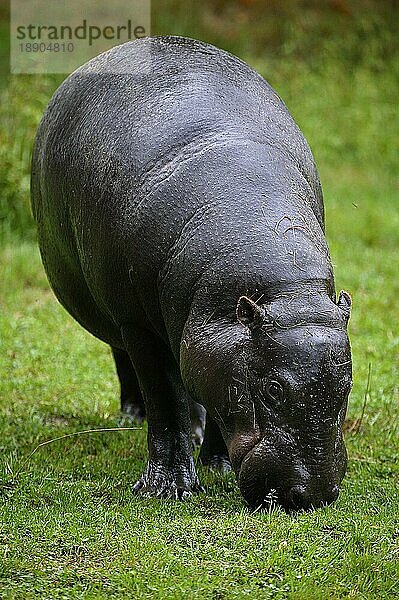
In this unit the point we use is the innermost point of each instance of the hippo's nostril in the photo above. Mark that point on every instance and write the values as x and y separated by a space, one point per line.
298 498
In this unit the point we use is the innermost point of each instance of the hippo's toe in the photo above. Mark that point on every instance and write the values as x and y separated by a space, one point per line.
175 484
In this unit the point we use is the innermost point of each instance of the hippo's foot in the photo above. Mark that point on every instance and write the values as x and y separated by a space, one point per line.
178 483
217 462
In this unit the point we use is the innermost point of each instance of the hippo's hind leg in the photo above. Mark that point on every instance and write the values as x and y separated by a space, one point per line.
214 453
197 417
170 471
132 403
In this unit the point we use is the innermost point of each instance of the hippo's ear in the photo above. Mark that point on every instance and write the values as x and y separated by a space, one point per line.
249 313
345 302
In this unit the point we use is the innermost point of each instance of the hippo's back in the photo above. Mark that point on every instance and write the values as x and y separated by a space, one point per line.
125 159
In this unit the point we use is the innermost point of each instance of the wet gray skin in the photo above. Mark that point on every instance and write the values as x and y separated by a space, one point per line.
180 220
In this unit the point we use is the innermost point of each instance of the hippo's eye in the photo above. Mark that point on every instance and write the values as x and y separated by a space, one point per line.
275 391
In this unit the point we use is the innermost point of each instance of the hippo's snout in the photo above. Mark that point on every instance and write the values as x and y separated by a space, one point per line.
268 476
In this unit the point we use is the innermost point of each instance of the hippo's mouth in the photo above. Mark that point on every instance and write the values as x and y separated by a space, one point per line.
269 475
254 483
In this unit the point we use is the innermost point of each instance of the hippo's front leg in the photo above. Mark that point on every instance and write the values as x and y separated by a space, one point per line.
170 471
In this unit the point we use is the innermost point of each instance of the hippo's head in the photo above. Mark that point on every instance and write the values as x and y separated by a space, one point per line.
276 379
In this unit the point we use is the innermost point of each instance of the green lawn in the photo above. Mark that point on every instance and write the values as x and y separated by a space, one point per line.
69 525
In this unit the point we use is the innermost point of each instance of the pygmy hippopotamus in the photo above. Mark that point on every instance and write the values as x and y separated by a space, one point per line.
180 220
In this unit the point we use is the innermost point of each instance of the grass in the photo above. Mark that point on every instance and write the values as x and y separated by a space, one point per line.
69 525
